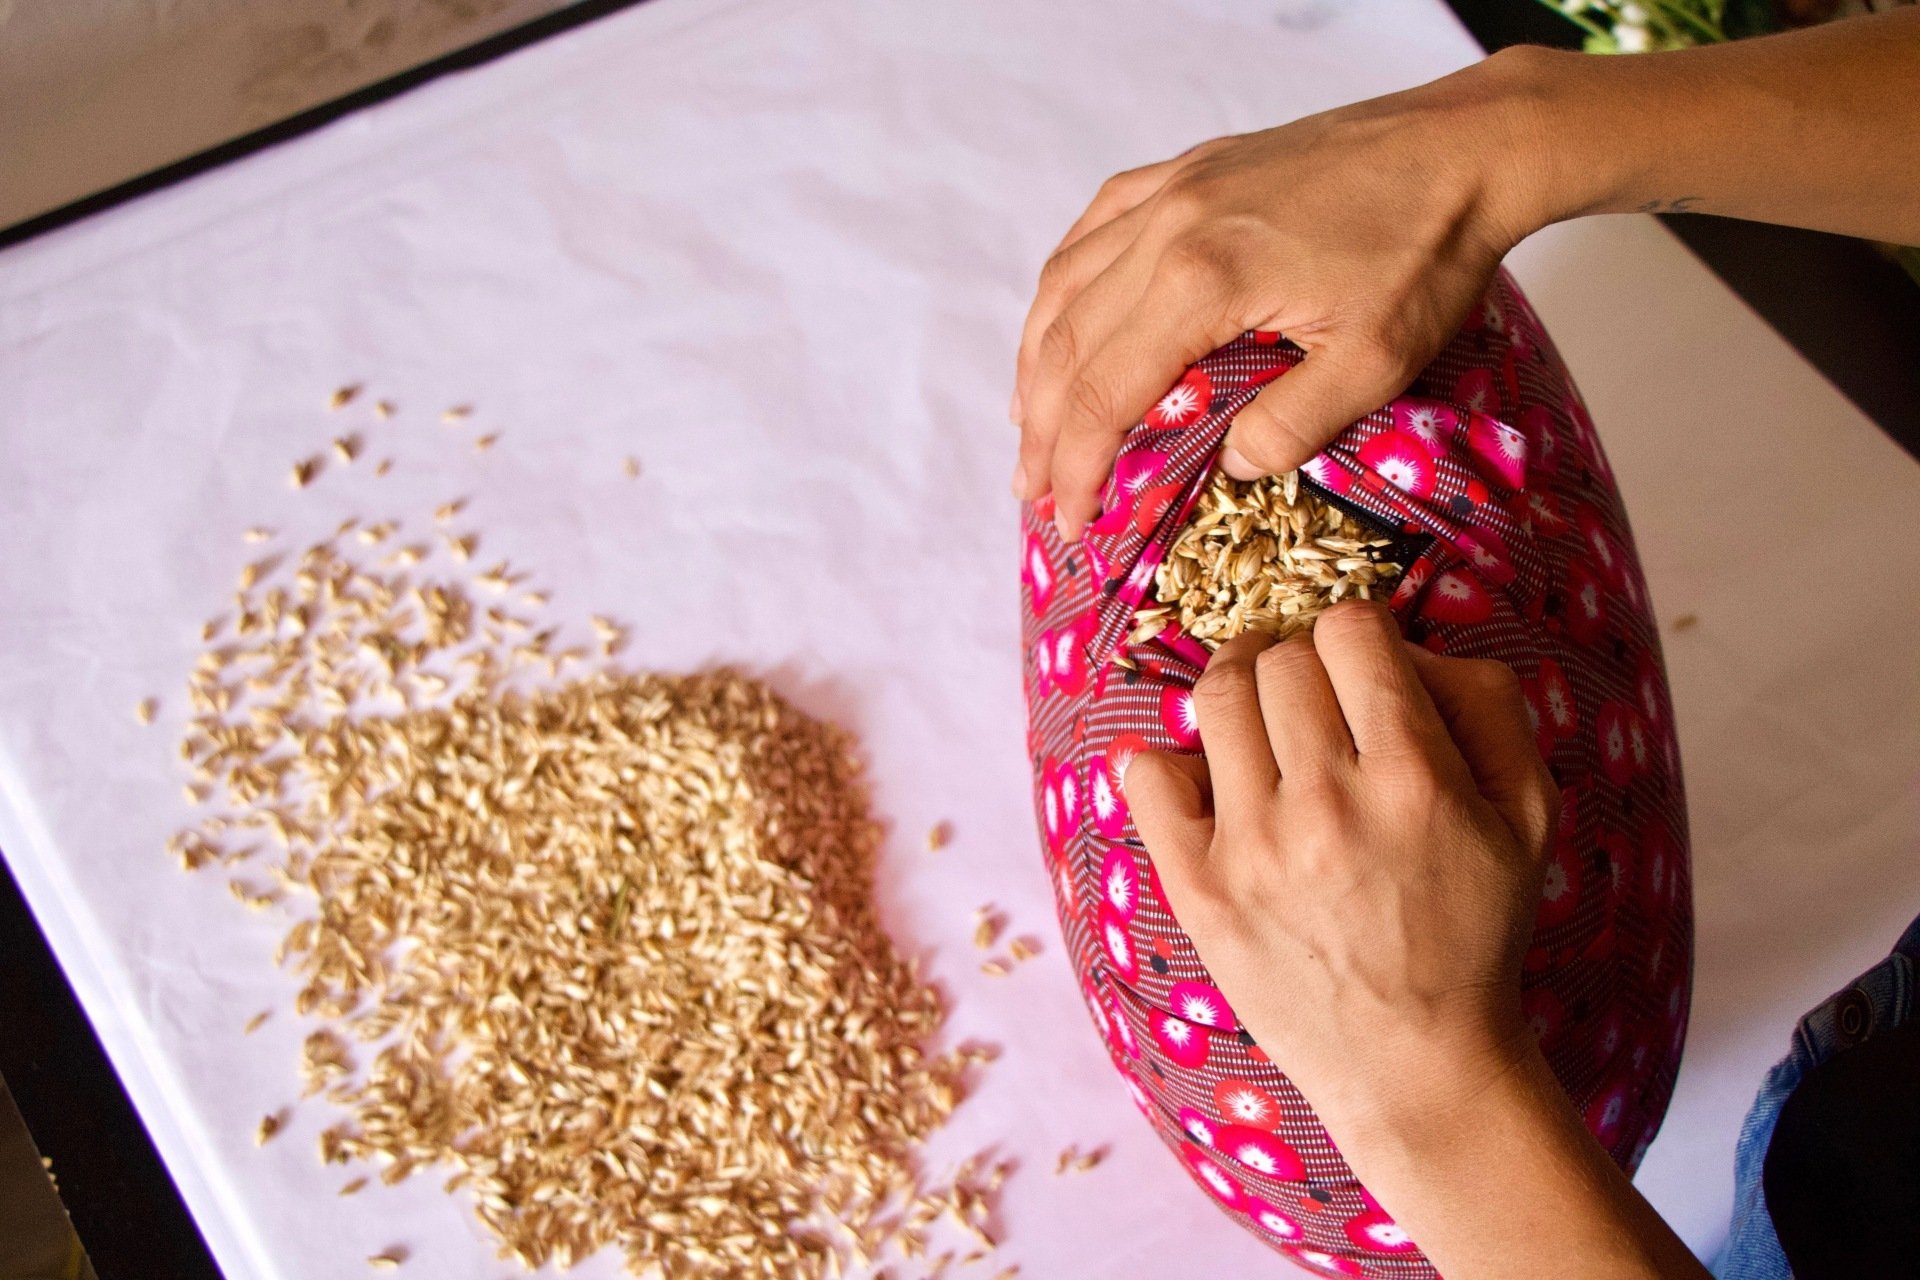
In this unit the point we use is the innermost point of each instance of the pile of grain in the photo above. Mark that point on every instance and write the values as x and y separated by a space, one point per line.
600 944
1262 555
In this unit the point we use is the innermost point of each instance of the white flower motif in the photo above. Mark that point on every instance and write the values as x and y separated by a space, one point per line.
1175 1032
1388 1235
1399 472
1256 1158
1063 653
1038 567
1247 1106
1198 1009
1118 945
1178 403
1120 890
1453 587
1216 1179
1199 1130
1555 886
1280 1226
1559 706
1590 600
1601 547
1189 719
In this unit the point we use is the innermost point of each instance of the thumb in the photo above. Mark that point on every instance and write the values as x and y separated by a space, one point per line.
1171 797
1299 413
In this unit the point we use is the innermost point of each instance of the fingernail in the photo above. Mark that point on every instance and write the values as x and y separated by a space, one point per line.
1060 523
1013 408
1235 464
1020 480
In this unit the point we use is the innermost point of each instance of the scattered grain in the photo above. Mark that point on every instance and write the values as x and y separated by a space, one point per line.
269 1125
145 709
632 468
609 945
458 413
383 409
343 396
1686 622
304 471
486 442
347 448
938 835
254 1023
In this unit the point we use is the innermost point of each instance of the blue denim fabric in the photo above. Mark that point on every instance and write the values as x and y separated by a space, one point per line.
1879 999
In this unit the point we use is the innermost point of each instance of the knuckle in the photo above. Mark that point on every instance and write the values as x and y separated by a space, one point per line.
1059 346
1222 685
1090 405
1493 677
1319 794
1184 199
1117 186
1281 661
1381 351
1199 262
1352 621
1057 271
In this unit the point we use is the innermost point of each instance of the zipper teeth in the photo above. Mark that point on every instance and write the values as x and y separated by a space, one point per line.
1402 548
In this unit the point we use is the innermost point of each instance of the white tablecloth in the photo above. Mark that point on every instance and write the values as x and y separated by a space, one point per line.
779 250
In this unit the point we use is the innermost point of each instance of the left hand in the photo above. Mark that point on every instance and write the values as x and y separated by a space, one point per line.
1364 235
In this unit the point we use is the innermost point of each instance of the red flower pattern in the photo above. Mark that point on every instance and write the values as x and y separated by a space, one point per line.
1401 459
1185 402
1491 468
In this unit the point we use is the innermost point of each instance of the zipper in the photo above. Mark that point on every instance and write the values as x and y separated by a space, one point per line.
1402 548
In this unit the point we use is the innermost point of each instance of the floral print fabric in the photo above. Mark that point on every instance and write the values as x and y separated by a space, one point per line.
1489 469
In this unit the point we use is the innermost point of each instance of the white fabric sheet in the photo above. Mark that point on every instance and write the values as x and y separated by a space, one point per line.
779 251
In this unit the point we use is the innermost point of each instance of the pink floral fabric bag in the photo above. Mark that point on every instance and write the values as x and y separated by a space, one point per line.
1489 473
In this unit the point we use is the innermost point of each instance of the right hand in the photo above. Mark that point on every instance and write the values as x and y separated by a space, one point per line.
1358 859
1364 235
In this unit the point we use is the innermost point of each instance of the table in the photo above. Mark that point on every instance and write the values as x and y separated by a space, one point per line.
563 240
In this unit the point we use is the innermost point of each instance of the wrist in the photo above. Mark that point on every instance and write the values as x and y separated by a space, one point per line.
1558 154
1429 1099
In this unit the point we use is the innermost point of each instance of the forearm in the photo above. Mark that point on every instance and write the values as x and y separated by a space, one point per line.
1503 1180
1817 128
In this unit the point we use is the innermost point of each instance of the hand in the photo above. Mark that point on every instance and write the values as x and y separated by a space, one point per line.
1364 235
1357 859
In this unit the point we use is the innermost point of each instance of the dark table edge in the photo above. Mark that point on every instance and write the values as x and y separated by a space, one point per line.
124 1205
577 14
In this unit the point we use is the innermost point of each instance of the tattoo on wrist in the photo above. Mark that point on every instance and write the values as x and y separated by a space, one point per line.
1679 204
